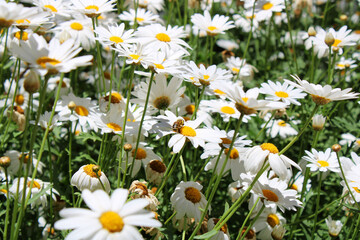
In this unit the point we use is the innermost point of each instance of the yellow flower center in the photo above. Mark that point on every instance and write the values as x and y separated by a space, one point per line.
278 14
245 99
77 26
159 66
282 94
114 126
251 17
227 110
192 194
357 142
270 195
336 43
320 100
81 110
162 102
273 220
21 36
35 184
139 19
22 21
116 39
235 69
4 191
188 131
88 169
267 6
206 77
270 147
44 60
323 163
141 154
234 154
190 109
282 123
212 28
294 186
163 37
340 65
19 99
111 221
51 7
26 158
134 56
92 7
219 92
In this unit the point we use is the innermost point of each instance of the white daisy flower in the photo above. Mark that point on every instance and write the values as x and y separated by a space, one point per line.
53 84
333 226
322 161
111 122
33 21
117 101
223 234
264 8
282 92
134 54
266 221
345 63
108 217
156 36
37 187
11 12
155 171
318 122
52 57
257 155
323 95
280 127
16 157
229 45
276 194
114 34
213 26
44 120
183 130
141 16
244 22
187 200
79 29
298 183
226 109
349 139
205 76
236 64
163 95
89 177
93 8
83 111
151 5
57 7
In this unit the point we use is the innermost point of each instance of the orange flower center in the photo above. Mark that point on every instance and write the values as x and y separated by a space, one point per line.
273 220
81 110
114 126
270 195
141 154
192 194
88 169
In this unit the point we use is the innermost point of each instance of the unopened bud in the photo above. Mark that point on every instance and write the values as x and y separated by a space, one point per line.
127 147
311 31
336 147
71 105
31 82
5 161
318 122
329 39
335 49
278 232
343 17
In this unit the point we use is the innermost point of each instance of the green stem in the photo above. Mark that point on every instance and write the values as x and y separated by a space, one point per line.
69 163
317 206
198 100
7 204
247 218
252 222
291 37
357 227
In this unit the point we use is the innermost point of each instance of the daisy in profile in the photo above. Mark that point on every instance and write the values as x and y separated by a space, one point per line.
45 118
72 108
90 177
282 92
110 122
244 21
37 187
52 57
349 139
108 217
33 21
343 63
163 95
322 161
188 200
275 193
223 234
227 44
205 76
218 25
334 227
93 8
114 34
240 68
156 36
185 130
11 12
57 7
141 16
257 155
323 95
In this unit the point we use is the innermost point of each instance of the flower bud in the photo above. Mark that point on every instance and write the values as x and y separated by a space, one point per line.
64 36
329 39
336 147
71 105
32 82
311 31
318 122
335 49
5 161
127 147
343 17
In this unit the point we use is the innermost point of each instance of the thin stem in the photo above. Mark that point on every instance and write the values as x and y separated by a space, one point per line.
356 228
317 206
291 37
252 222
7 204
198 100
247 218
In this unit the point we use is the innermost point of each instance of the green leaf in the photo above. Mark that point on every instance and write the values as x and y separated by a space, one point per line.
207 235
39 194
226 207
89 136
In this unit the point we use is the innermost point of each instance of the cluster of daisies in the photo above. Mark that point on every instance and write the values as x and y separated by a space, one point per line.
170 119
